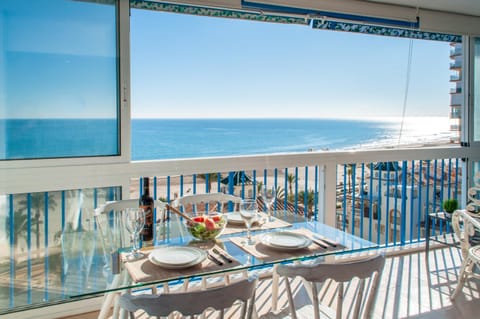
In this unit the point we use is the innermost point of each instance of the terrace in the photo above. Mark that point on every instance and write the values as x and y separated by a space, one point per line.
380 195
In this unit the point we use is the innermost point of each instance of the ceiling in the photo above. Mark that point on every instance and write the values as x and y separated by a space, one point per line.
470 7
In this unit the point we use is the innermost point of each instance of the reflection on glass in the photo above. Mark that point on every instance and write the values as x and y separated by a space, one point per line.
58 77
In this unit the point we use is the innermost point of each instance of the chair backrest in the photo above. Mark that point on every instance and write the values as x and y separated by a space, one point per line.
209 202
110 227
340 272
195 302
465 227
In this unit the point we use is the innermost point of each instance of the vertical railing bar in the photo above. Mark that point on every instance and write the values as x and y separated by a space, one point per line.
435 167
194 182
456 179
285 200
140 187
254 176
45 241
379 208
353 176
362 199
154 222
395 239
265 173
181 186
427 199
450 178
412 194
62 275
420 191
395 208
370 204
169 190
275 184
29 248
442 184
296 194
231 189
11 226
387 204
315 207
242 178
344 201
404 203
307 195
219 178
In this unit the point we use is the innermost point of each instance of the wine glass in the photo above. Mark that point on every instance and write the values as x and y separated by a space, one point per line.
249 212
269 195
134 222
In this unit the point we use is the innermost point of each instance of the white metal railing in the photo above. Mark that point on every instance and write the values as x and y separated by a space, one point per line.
322 173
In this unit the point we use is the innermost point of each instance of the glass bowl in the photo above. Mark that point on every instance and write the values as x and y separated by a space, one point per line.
206 227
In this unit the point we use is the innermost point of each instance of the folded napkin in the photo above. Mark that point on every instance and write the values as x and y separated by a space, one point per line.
144 271
262 223
266 253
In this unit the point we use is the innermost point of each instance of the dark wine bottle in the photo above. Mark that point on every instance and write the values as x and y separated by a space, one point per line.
146 202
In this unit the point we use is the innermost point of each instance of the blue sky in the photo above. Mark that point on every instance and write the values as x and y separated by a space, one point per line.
191 66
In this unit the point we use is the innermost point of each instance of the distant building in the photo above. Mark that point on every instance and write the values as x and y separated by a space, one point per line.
456 92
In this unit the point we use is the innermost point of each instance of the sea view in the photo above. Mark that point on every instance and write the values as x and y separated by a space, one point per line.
186 138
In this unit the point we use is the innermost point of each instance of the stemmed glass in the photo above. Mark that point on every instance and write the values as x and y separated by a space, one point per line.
134 222
269 195
249 212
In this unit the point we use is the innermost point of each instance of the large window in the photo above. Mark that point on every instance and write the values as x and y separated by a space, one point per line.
58 79
206 86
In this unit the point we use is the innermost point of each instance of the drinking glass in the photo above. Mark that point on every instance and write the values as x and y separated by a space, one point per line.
269 195
134 222
249 212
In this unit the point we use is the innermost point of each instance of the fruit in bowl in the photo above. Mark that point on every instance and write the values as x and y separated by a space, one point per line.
206 227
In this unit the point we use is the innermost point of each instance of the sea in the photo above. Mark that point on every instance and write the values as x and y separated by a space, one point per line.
192 138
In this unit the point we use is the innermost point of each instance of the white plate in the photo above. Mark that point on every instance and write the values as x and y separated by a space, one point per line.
177 257
236 219
286 240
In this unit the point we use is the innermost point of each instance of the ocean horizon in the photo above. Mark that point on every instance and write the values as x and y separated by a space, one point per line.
189 138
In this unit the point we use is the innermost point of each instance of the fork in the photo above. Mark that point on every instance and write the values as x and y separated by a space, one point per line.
225 257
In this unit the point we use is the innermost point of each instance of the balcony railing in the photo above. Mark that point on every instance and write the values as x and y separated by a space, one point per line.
382 196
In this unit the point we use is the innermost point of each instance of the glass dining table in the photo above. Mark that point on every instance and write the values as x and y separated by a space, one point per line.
175 259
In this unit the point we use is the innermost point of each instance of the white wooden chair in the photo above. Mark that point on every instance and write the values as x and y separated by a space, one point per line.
210 202
195 302
340 272
113 236
465 226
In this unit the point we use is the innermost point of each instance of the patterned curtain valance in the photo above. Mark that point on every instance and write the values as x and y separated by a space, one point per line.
406 30
385 31
216 12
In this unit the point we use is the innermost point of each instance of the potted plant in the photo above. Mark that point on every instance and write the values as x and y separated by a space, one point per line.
449 206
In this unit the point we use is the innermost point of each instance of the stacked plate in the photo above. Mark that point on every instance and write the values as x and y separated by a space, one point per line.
285 240
177 257
236 219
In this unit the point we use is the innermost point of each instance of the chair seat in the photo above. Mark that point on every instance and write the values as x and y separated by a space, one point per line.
305 312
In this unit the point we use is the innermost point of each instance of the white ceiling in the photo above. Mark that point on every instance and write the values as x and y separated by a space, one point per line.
470 7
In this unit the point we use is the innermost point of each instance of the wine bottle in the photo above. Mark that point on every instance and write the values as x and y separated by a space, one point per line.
146 202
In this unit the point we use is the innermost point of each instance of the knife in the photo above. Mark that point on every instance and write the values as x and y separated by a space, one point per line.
225 257
319 243
214 259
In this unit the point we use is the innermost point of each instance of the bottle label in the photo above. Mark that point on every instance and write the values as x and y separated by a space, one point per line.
147 233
